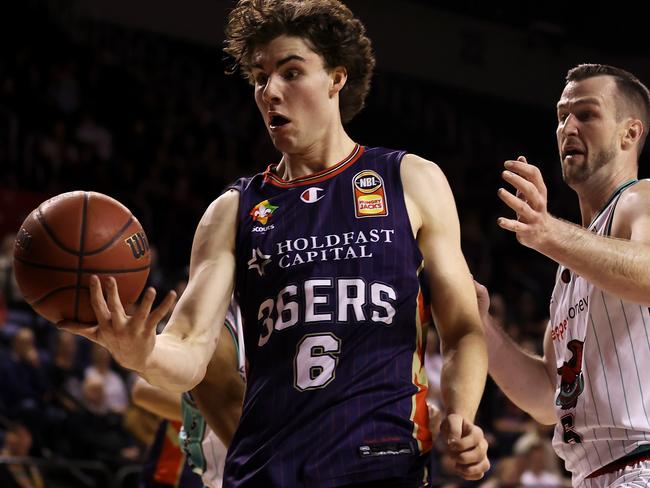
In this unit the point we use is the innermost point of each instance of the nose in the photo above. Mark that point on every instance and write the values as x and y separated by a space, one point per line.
271 92
570 125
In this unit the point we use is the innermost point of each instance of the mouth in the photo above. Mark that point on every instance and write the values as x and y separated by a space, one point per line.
276 121
570 153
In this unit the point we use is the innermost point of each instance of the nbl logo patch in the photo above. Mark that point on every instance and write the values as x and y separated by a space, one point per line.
369 195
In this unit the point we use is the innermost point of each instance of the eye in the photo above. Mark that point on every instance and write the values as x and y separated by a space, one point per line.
291 74
561 116
585 115
260 79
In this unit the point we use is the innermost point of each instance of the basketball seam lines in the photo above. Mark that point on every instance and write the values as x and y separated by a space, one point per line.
50 232
82 242
118 234
52 292
83 270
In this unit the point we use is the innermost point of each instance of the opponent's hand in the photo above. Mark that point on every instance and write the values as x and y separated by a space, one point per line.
467 447
129 339
529 202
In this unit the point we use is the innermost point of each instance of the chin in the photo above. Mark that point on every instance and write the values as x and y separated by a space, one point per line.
285 144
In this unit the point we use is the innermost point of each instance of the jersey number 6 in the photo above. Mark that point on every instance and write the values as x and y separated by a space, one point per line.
317 356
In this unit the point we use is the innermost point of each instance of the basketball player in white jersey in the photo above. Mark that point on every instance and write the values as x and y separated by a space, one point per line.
593 380
204 437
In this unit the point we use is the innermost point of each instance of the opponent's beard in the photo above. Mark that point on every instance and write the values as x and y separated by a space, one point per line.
576 174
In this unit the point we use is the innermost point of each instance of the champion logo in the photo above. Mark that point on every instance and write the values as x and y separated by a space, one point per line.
312 195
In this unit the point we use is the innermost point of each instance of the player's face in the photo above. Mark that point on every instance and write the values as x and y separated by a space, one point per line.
293 92
587 130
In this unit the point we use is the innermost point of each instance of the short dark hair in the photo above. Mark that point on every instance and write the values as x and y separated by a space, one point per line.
635 94
328 26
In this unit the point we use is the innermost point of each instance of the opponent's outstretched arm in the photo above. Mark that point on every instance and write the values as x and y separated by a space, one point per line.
526 379
156 400
220 394
617 264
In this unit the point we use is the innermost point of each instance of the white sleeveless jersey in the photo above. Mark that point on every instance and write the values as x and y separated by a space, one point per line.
205 451
602 350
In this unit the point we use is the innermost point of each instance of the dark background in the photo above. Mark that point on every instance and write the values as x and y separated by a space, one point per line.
129 98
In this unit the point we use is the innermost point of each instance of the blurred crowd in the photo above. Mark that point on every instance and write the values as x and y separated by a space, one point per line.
154 122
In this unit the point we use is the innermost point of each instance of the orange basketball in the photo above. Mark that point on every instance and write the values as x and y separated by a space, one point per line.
68 238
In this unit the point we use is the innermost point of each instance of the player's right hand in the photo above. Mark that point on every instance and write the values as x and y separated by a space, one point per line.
129 338
467 447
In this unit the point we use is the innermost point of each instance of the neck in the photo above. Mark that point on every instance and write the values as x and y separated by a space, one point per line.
316 157
594 194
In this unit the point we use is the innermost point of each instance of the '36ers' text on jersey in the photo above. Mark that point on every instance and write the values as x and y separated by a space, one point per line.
602 351
327 280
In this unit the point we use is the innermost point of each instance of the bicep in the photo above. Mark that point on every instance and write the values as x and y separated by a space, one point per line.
433 209
206 298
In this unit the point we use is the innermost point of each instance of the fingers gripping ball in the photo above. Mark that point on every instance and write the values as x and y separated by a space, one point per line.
70 237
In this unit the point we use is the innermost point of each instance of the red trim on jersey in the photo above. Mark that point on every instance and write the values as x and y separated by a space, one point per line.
319 176
425 312
421 417
421 414
171 459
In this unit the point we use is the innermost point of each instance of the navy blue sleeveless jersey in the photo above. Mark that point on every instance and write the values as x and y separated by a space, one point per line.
327 280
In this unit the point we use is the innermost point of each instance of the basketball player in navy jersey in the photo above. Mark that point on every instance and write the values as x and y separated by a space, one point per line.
324 252
592 381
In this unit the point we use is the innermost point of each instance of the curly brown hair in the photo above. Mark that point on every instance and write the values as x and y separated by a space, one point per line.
328 26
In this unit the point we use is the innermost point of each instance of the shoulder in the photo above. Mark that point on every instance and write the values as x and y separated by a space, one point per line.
637 195
227 202
632 209
420 175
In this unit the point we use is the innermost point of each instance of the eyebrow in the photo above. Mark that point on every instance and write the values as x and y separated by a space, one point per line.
579 101
285 60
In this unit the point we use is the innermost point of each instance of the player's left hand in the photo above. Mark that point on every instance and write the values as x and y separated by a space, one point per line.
532 225
467 447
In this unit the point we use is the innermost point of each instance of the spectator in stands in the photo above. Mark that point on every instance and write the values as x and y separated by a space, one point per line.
115 393
23 382
18 443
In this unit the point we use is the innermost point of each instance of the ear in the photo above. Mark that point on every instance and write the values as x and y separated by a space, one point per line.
338 78
632 134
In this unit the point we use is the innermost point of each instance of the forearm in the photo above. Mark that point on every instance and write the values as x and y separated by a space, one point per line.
221 413
463 375
156 400
523 378
175 364
617 266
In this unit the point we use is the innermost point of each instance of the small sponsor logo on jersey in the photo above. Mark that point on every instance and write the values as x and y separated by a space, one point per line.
259 228
263 211
369 195
312 195
259 261
385 449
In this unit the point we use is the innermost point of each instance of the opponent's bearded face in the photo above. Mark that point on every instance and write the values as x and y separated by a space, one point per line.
296 95
588 132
